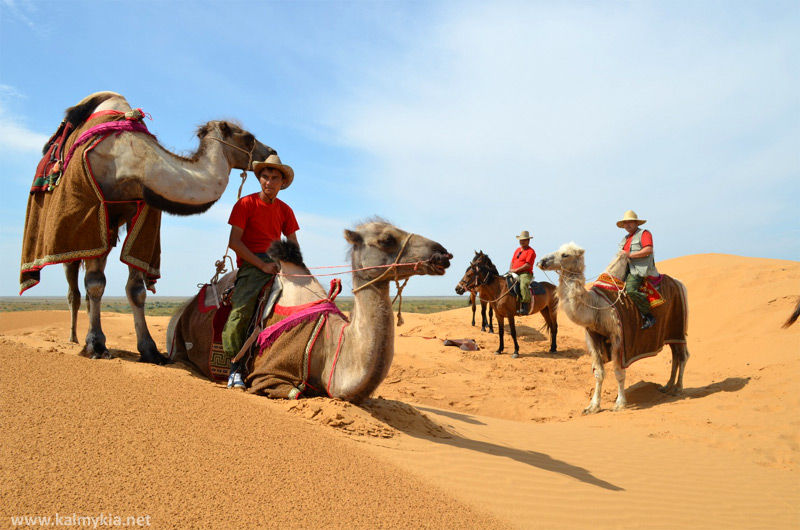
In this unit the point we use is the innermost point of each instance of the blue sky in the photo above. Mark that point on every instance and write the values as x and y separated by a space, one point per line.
464 122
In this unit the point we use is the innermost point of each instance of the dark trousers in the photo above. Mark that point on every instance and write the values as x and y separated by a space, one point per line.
632 283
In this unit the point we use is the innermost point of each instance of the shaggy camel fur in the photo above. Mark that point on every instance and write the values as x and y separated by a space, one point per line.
482 276
130 167
593 312
367 347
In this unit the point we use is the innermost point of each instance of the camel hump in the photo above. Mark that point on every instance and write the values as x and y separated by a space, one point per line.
286 251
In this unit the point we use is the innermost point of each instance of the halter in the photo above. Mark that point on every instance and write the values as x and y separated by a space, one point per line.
485 281
249 159
393 268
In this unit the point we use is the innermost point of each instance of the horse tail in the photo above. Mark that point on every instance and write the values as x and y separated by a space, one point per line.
793 316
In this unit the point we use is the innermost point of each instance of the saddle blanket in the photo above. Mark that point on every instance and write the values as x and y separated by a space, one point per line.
670 327
649 287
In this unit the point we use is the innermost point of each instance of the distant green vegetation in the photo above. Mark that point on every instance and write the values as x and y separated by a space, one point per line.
166 305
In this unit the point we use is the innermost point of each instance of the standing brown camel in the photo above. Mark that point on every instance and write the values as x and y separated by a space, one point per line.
482 275
461 288
134 177
349 360
603 327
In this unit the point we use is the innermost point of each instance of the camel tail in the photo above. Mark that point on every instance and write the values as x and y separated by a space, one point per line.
793 317
172 326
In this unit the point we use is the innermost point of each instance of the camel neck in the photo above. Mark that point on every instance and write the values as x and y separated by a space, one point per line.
573 295
368 344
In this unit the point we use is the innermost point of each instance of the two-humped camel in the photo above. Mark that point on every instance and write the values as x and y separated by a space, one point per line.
593 312
132 166
380 253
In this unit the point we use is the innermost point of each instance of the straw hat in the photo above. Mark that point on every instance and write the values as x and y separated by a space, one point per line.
524 235
274 161
630 215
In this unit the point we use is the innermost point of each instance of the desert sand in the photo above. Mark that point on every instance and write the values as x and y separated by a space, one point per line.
451 439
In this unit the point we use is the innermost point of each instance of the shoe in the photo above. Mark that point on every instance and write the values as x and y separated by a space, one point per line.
649 320
235 381
524 308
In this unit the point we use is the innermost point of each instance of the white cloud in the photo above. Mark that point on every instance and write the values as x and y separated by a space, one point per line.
14 135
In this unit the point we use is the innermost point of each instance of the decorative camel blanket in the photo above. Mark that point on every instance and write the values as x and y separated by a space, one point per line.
670 327
281 368
74 221
649 287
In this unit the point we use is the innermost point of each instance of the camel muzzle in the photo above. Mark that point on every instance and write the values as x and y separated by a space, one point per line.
440 261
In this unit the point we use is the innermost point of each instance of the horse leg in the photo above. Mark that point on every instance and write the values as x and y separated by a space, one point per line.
491 329
680 354
95 283
500 335
483 316
599 374
551 320
513 327
137 294
73 296
472 302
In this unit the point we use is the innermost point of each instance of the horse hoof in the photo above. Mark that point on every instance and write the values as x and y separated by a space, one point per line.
498 353
553 350
515 355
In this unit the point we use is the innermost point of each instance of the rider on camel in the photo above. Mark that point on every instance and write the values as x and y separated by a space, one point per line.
638 245
256 221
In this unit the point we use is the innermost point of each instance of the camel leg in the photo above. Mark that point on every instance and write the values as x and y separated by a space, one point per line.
512 326
500 335
137 294
599 374
680 354
95 283
73 296
619 372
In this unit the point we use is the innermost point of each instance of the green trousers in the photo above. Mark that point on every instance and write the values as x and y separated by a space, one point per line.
525 279
249 282
632 283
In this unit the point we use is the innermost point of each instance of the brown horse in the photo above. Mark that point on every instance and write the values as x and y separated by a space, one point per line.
482 276
461 288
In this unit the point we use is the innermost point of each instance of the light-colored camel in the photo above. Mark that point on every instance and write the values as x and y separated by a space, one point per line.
596 315
367 347
131 166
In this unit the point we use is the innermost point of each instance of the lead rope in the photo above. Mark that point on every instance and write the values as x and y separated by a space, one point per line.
219 265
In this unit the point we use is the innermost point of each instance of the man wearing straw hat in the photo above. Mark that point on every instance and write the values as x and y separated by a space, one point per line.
522 265
638 245
256 221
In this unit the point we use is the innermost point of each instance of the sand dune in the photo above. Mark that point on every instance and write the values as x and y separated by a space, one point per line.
451 438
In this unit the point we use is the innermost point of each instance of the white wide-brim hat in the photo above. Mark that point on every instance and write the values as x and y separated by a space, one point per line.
274 161
524 235
630 215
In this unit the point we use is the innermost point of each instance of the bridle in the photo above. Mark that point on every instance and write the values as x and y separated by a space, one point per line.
249 159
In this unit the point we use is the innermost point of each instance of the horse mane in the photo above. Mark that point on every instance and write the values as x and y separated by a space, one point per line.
491 266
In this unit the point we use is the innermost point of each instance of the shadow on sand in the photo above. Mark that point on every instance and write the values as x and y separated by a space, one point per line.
646 394
377 407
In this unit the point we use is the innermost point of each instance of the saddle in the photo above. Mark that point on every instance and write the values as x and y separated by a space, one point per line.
512 283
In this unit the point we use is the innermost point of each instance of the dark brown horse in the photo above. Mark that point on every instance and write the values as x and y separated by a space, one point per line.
461 288
482 276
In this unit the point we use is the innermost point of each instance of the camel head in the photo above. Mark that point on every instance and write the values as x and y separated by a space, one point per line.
567 258
244 141
619 265
377 243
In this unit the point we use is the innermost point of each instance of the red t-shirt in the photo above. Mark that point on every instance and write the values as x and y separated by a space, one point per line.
647 240
262 222
523 256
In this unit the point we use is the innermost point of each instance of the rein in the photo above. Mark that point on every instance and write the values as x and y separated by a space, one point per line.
567 273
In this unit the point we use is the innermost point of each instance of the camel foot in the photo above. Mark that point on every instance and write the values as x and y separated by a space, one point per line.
591 409
671 390
154 358
619 406
515 355
105 354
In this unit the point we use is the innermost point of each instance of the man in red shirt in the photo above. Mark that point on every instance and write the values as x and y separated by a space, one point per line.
522 265
256 221
638 245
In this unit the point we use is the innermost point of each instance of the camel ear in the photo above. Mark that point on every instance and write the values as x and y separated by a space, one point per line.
354 238
225 129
